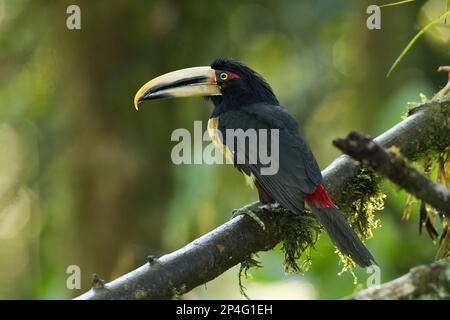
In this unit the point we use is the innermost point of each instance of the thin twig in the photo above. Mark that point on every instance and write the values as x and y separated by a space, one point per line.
395 168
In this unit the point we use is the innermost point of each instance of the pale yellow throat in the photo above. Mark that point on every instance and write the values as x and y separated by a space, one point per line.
213 131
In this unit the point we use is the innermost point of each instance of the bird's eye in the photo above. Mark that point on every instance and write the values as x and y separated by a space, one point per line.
223 76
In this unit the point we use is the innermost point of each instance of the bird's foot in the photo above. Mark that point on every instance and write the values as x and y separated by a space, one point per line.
250 210
253 209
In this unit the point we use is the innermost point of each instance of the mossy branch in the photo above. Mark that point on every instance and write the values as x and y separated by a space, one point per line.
396 168
233 242
426 281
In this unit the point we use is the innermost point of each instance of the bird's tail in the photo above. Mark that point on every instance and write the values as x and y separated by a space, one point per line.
340 232
342 235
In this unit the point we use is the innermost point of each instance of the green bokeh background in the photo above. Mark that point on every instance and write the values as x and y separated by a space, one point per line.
86 180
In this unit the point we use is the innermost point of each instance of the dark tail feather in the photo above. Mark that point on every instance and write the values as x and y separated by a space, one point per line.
343 236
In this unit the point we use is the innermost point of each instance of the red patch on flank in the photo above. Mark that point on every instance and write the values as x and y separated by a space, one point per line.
320 198
233 75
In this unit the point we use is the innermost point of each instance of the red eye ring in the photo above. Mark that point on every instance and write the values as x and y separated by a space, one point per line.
232 75
228 75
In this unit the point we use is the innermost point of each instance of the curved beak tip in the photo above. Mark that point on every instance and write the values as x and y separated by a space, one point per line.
137 100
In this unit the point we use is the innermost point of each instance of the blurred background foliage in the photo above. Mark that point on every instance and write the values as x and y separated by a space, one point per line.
86 180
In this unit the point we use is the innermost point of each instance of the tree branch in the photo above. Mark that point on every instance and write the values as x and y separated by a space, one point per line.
209 256
429 279
396 168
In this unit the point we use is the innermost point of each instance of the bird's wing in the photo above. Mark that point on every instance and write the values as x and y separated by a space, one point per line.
298 173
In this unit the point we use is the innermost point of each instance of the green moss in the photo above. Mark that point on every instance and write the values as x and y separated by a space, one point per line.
300 233
348 266
440 116
250 262
361 198
436 166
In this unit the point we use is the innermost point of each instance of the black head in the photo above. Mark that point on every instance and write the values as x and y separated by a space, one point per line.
240 87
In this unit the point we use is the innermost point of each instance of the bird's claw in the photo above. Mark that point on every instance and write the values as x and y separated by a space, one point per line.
252 209
250 213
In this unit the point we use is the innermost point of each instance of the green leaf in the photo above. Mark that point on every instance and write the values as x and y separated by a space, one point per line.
397 3
413 40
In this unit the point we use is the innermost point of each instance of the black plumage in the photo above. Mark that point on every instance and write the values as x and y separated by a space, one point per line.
248 102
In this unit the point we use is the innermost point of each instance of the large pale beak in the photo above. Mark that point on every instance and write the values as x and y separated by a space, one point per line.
190 82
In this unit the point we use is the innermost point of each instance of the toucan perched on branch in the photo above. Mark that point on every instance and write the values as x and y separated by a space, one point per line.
244 100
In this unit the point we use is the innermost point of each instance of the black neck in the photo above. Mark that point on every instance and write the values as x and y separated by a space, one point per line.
227 103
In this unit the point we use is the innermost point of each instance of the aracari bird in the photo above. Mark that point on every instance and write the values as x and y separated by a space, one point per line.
244 100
